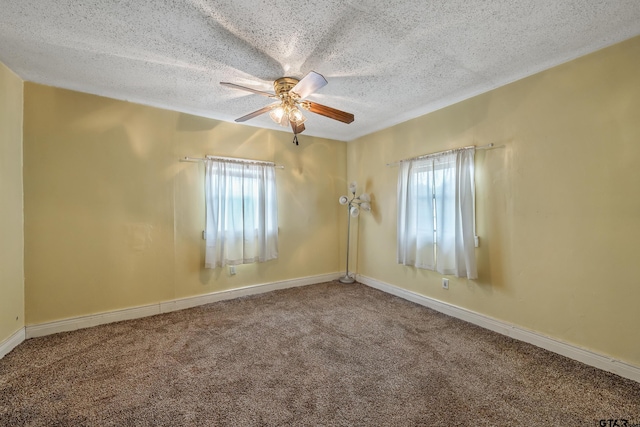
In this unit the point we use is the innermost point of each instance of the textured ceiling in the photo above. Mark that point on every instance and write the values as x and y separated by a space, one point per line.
386 61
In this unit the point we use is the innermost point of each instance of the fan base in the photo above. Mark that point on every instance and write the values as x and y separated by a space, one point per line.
346 279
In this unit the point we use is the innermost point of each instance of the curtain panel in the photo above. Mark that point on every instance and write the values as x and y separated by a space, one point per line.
436 208
241 213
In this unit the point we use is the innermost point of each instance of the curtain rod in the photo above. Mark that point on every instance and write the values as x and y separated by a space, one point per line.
453 150
229 159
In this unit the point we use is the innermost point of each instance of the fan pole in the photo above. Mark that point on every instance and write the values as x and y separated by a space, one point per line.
346 278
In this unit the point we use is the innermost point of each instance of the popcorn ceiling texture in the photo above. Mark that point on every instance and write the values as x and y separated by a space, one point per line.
386 61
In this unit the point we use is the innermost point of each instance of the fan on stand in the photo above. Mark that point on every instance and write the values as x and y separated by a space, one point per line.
290 94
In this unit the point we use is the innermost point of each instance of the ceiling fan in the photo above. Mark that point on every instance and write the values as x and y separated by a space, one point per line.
290 94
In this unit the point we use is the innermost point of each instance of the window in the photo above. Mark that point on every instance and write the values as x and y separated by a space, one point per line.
241 213
436 205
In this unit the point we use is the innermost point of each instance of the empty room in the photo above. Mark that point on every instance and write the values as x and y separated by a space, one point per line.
230 213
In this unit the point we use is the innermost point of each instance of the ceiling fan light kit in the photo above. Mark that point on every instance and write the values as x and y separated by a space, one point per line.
290 93
286 112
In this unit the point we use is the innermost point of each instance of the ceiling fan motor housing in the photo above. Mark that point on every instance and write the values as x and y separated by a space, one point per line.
283 85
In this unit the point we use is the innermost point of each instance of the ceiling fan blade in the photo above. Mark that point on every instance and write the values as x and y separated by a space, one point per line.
257 112
248 89
332 113
297 128
309 84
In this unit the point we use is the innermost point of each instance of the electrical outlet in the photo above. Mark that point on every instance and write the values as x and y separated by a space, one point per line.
232 270
445 283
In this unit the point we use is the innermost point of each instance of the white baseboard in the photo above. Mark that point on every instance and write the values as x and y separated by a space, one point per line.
88 321
81 322
12 342
195 301
568 350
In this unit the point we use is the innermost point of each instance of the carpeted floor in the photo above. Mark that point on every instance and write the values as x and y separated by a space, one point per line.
326 354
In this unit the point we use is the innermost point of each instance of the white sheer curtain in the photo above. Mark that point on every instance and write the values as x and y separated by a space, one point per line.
241 213
436 204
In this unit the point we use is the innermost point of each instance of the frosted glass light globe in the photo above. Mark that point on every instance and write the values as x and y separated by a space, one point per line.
343 200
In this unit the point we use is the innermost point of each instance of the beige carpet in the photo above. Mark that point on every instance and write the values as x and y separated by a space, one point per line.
327 354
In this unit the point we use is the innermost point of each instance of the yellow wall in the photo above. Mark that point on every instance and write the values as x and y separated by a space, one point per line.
113 220
558 203
11 216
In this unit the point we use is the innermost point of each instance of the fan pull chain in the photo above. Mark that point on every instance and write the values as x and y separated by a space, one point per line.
295 138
